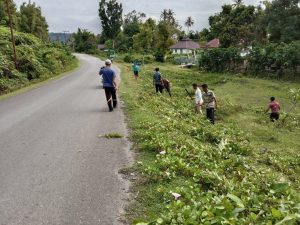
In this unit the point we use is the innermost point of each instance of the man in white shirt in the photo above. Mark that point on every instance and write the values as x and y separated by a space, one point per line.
198 99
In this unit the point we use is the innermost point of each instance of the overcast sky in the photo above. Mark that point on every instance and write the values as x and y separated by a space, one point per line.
68 15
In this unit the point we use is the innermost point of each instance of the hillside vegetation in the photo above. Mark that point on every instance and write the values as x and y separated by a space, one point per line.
36 60
243 170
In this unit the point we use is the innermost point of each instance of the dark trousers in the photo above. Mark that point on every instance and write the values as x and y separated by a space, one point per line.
111 97
274 116
210 114
159 88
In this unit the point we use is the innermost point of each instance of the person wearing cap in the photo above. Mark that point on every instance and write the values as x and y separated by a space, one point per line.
109 85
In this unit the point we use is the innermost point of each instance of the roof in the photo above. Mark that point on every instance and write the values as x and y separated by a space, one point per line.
215 43
185 44
101 47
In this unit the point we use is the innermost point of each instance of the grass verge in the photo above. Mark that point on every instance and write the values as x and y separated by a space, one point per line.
243 170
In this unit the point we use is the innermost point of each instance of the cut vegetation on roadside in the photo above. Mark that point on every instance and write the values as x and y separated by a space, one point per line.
243 170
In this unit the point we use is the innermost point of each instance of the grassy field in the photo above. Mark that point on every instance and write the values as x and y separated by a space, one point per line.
243 170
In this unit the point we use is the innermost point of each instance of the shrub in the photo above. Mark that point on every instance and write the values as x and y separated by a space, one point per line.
220 60
128 58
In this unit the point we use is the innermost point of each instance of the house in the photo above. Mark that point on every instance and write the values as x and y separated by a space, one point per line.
215 43
101 47
185 46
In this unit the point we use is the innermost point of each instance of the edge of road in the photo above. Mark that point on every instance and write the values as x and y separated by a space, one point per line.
39 84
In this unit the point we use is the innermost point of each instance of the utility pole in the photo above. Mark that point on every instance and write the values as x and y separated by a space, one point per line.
12 32
65 35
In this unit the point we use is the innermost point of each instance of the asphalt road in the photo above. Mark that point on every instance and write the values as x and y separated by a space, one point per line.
54 169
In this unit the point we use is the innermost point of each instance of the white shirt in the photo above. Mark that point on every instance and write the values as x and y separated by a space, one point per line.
198 96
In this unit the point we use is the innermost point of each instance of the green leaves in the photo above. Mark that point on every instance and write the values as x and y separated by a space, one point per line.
237 200
213 168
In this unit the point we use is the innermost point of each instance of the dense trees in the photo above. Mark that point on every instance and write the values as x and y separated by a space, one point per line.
32 21
84 41
110 14
4 20
282 20
237 24
234 25
28 19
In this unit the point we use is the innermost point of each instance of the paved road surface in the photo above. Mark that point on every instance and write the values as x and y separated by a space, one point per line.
54 169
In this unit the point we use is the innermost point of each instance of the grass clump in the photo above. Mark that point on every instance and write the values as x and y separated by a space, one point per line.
112 136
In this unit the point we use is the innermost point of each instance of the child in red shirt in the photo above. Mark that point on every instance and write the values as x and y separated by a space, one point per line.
275 108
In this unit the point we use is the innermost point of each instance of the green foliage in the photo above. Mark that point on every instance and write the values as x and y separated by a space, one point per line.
164 35
36 61
215 169
4 18
282 20
85 41
220 60
278 60
110 14
233 25
32 21
146 39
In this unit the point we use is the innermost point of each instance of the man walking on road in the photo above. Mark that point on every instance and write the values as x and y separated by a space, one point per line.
109 85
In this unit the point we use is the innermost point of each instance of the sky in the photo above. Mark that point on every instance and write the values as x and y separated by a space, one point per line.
69 15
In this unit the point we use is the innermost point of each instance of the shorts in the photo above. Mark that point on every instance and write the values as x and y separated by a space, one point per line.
274 116
136 73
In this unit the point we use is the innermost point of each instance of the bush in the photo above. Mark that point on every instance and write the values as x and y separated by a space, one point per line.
220 60
128 58
273 59
35 60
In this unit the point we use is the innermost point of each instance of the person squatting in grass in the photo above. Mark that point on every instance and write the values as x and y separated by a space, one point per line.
167 85
157 81
109 85
275 108
136 70
198 99
210 102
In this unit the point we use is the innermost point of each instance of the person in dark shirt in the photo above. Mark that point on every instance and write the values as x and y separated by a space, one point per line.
109 85
157 81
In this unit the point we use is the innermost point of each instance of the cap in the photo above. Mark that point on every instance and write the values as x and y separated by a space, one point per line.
108 62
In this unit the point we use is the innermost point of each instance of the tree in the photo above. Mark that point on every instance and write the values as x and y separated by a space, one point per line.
234 25
110 14
282 20
164 34
134 17
189 23
4 18
84 41
146 39
32 21
168 16
131 27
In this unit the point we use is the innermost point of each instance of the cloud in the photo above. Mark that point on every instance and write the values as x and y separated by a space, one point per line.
69 15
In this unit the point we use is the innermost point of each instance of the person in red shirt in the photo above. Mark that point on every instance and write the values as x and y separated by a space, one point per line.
275 108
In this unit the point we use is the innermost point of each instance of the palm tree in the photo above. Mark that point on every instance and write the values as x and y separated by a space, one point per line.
189 23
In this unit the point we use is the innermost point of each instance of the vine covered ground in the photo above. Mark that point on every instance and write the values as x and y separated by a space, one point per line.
243 170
